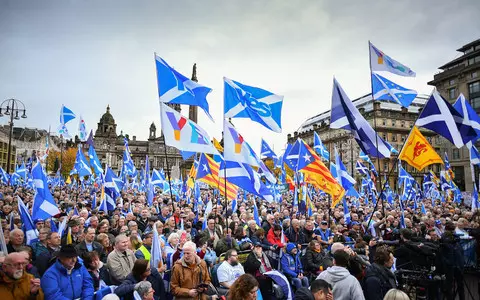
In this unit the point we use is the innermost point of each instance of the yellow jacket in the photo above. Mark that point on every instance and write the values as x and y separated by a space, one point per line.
11 289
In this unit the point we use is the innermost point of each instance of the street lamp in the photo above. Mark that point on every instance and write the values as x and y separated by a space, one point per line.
11 107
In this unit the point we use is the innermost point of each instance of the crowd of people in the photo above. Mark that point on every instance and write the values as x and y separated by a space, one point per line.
324 255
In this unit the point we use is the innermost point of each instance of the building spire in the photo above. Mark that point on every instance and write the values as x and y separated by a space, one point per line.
194 73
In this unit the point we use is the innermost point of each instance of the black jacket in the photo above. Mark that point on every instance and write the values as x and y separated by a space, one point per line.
294 237
103 275
142 224
126 288
44 261
82 249
312 261
304 294
378 281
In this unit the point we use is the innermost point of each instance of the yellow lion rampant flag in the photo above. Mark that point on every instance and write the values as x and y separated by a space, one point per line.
418 152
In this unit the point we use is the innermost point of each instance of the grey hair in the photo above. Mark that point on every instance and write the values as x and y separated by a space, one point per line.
111 297
16 230
120 238
143 287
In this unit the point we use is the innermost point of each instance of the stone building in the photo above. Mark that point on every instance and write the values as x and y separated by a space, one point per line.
460 76
393 124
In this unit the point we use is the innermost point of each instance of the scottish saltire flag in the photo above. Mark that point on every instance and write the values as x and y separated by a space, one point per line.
470 117
21 172
94 161
111 190
243 176
30 229
474 156
128 166
82 130
441 117
158 178
234 205
261 106
444 185
447 162
345 179
266 150
66 115
379 61
175 88
361 168
344 115
403 175
319 147
156 250
44 206
384 89
4 176
81 165
364 157
184 134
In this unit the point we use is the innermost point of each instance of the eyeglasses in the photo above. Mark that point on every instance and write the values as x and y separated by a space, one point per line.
18 265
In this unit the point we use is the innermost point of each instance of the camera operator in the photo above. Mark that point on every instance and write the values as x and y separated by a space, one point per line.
453 260
379 278
412 255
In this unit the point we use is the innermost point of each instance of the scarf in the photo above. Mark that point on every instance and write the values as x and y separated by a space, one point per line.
264 263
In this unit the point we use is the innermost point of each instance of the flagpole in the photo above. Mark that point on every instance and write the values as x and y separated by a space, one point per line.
169 178
225 181
375 125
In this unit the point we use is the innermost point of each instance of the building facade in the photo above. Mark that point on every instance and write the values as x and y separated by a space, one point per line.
4 153
393 124
461 76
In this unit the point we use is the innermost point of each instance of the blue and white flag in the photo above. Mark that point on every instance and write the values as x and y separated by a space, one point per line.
66 115
149 188
474 156
261 106
112 192
475 203
344 115
256 215
22 172
208 210
30 229
4 176
175 88
266 150
63 131
319 147
441 117
384 89
156 252
282 282
470 117
128 166
361 168
44 206
243 176
94 161
81 165
345 179
346 211
157 178
379 61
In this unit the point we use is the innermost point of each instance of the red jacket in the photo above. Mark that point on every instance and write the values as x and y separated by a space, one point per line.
272 239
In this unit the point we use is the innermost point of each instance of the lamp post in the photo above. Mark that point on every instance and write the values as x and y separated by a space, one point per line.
11 107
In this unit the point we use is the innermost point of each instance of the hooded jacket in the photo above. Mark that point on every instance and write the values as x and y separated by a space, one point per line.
345 286
291 264
57 284
11 289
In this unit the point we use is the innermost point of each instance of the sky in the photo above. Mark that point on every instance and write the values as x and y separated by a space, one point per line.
90 54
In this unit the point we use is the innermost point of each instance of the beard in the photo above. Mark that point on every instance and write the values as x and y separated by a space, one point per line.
234 263
17 274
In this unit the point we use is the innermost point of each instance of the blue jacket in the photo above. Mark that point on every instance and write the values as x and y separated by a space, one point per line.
58 285
291 265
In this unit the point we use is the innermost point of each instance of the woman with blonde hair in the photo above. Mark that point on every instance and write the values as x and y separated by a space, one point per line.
245 287
395 294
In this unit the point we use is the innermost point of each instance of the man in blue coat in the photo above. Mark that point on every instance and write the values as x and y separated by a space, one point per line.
292 267
67 279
